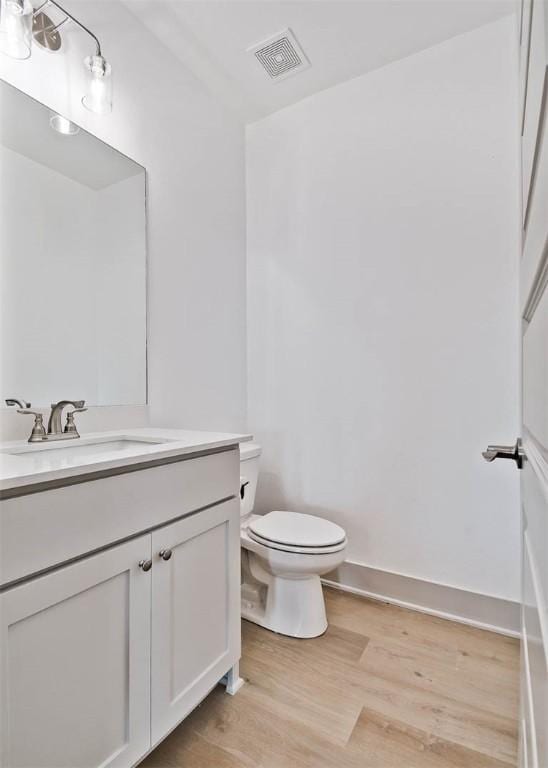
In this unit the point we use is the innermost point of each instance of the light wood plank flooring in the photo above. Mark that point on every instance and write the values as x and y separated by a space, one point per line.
383 688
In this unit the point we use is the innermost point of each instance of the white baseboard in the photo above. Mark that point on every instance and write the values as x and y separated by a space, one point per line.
483 611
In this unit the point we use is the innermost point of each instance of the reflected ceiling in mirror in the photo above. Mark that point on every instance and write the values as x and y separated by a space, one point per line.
72 261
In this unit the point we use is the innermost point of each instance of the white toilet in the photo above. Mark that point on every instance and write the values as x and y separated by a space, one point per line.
283 556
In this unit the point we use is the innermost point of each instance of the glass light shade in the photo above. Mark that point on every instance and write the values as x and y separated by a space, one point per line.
16 28
98 97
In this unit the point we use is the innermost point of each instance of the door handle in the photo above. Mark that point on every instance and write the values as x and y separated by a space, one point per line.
514 452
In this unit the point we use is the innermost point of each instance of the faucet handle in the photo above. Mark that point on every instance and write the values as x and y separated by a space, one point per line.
70 426
38 431
16 401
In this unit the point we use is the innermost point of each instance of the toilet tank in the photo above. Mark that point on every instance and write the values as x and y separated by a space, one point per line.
249 474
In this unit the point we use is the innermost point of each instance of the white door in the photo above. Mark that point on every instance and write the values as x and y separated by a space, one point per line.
75 664
534 309
195 610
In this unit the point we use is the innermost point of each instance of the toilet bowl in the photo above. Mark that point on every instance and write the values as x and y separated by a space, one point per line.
284 554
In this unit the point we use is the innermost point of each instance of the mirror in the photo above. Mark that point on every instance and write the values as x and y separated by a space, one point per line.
72 262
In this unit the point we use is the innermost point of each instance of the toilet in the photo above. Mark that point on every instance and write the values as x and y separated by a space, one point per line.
283 556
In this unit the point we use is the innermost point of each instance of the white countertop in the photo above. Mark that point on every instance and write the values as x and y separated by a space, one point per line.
46 462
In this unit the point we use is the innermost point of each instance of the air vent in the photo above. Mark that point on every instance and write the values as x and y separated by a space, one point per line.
280 55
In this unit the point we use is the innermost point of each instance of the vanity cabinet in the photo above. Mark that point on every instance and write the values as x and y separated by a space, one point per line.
100 657
195 611
75 665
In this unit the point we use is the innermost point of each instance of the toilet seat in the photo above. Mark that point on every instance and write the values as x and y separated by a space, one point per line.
296 550
295 532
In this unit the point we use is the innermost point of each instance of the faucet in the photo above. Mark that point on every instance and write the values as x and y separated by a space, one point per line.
54 423
55 431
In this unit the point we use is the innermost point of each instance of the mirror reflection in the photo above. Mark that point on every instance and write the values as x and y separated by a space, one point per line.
72 259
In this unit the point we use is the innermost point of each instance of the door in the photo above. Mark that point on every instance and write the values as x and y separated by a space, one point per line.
534 309
75 664
195 610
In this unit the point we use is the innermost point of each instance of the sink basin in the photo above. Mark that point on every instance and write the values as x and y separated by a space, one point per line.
74 449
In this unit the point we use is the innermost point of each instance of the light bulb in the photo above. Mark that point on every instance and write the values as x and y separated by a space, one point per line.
17 7
98 97
63 125
16 28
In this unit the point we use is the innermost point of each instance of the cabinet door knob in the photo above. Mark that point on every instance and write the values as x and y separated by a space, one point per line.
165 554
145 565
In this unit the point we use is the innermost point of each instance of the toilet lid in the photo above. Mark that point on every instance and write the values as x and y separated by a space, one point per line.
298 550
297 530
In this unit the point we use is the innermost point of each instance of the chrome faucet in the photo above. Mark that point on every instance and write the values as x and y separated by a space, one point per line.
55 431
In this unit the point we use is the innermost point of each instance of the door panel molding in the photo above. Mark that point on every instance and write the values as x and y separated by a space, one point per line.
533 96
535 246
538 285
535 641
537 456
538 603
525 47
528 736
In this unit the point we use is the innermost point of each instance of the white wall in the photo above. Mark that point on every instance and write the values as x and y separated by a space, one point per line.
382 310
193 149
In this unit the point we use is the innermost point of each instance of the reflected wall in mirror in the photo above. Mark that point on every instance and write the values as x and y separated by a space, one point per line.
72 260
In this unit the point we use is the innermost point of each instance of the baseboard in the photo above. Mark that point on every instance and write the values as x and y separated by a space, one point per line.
483 611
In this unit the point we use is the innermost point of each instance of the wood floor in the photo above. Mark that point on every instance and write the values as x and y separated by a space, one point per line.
383 688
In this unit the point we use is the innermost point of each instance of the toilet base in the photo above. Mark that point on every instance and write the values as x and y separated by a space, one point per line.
289 606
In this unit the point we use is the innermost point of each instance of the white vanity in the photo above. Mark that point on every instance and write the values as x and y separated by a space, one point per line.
120 591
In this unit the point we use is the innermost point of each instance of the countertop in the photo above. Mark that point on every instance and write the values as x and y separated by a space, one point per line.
45 462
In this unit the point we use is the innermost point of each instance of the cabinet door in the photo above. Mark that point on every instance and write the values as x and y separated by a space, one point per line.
75 664
195 610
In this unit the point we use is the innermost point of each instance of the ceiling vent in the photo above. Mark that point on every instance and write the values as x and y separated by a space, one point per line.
280 55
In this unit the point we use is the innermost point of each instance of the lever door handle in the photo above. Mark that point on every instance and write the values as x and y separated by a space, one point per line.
514 452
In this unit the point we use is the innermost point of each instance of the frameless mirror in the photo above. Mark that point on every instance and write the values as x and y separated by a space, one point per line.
72 262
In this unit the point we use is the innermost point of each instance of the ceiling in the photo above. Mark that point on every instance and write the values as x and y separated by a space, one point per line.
342 39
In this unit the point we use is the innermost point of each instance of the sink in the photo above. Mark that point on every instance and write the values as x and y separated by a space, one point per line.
74 449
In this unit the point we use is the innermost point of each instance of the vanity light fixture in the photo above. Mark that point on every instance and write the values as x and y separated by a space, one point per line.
20 22
98 97
63 125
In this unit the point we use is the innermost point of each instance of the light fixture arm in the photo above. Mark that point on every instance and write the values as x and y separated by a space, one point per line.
72 18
